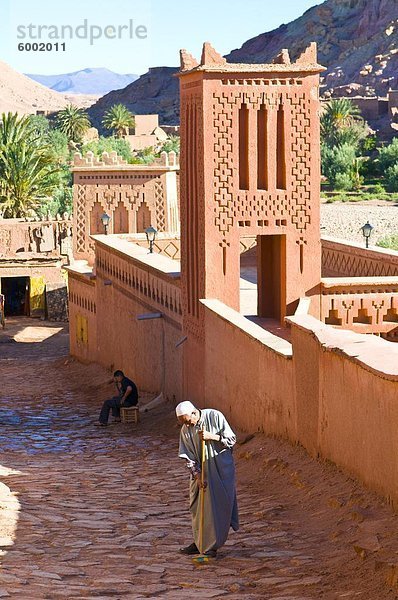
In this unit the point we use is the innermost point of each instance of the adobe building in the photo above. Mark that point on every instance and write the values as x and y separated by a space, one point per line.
146 133
244 321
32 256
134 196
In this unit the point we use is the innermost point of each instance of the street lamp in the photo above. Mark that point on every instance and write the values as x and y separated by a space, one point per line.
151 236
367 232
105 221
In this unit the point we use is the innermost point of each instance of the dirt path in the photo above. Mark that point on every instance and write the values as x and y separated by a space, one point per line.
101 513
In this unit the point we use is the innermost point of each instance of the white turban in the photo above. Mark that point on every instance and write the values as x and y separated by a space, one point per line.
184 408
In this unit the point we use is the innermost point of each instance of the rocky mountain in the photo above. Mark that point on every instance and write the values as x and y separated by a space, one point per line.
154 92
357 42
20 94
86 81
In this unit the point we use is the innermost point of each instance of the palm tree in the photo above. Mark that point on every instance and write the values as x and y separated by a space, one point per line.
341 123
73 121
13 129
118 118
27 166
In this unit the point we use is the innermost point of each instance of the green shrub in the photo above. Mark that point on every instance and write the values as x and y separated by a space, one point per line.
338 165
388 156
389 241
109 144
171 144
343 181
146 156
392 178
378 189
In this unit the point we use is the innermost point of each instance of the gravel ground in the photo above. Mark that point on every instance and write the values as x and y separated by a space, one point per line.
345 220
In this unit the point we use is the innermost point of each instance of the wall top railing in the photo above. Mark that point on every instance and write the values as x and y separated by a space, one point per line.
371 352
340 244
358 285
152 262
344 258
168 161
150 278
268 339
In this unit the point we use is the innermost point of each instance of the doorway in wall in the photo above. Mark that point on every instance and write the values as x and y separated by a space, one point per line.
263 277
271 276
16 294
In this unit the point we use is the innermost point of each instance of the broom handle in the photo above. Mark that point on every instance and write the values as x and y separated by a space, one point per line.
202 498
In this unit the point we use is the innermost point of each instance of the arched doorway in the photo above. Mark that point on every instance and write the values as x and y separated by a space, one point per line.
120 219
143 218
96 225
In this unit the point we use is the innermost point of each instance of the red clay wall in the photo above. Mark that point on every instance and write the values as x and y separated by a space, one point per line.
82 303
144 350
249 373
338 395
125 288
347 401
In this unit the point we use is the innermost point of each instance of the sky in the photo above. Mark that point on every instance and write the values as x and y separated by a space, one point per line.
129 36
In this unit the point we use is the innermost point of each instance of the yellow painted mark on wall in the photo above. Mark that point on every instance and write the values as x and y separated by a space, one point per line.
82 329
37 301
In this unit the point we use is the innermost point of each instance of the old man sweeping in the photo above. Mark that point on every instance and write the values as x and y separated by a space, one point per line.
206 443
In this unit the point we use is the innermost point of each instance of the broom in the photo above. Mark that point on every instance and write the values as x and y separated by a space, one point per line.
202 558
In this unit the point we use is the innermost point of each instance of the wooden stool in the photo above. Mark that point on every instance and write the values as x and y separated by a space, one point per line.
130 414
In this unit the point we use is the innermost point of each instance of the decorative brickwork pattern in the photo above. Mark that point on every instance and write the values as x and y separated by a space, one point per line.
160 206
369 306
109 191
79 202
250 168
254 208
191 239
300 206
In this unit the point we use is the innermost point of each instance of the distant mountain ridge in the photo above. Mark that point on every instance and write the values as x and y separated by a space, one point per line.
357 42
21 94
96 81
153 92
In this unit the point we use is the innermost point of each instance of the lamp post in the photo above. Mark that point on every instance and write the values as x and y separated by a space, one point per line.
367 232
105 221
151 236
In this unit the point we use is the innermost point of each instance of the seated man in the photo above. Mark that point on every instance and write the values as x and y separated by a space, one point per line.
128 396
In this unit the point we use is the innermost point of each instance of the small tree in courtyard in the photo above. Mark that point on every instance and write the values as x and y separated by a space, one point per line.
339 166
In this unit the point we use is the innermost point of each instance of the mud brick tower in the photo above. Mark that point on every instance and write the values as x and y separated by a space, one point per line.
249 166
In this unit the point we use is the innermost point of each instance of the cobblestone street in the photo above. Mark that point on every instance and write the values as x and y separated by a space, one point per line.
101 512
